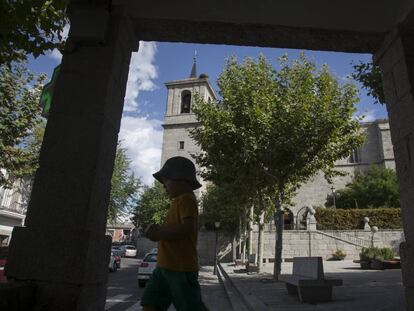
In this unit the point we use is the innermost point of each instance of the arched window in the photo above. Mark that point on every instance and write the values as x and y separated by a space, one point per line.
354 157
185 102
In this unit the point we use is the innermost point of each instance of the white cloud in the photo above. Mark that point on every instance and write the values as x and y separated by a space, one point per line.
142 72
143 140
368 115
55 54
140 135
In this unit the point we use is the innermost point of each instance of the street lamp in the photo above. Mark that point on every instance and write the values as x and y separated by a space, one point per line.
217 226
333 196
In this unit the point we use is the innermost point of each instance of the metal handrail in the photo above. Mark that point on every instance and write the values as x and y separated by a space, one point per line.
345 237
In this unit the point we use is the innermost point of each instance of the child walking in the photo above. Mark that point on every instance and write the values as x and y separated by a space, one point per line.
175 280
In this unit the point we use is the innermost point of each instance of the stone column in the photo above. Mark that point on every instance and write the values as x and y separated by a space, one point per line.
396 59
63 250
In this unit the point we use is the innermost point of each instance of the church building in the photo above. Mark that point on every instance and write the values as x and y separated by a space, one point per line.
179 118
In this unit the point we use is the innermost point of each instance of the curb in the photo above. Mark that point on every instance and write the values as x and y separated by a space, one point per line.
236 300
250 301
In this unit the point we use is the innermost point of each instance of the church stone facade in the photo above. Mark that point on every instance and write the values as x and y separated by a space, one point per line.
179 118
377 149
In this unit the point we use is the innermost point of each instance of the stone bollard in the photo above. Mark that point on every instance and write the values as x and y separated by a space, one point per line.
310 219
374 229
367 227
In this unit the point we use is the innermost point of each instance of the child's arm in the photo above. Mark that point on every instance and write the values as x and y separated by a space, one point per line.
174 232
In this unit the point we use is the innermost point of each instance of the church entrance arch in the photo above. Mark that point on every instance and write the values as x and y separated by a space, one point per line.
288 220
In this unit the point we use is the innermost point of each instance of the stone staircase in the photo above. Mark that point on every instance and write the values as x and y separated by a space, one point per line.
346 237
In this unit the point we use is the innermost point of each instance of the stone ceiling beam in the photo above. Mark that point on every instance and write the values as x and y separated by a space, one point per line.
256 35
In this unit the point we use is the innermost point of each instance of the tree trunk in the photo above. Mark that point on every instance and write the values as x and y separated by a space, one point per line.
260 243
278 217
244 246
234 248
250 229
239 249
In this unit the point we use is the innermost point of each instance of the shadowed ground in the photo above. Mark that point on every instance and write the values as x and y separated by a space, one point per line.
370 290
123 293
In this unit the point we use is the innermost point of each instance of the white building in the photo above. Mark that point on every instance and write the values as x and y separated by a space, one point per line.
13 206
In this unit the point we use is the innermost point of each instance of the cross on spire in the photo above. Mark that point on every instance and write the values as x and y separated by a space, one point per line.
193 73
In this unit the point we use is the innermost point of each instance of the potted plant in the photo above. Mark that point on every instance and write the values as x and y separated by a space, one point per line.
383 255
365 257
374 257
338 255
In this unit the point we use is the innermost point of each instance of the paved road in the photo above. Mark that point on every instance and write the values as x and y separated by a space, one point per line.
123 293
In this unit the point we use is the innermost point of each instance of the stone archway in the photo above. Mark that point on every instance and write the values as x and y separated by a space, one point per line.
288 220
63 249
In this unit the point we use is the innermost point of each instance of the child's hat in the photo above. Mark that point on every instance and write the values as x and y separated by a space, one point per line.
178 168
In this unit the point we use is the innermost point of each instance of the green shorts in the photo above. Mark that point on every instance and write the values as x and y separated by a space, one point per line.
179 288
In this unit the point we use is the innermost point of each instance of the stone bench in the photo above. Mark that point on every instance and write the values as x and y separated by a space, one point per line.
308 280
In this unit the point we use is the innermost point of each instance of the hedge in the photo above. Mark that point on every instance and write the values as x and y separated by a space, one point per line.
352 219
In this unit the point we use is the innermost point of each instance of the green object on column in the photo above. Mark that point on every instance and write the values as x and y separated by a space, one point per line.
46 96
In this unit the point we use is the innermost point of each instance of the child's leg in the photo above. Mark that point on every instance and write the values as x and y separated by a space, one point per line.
156 295
185 290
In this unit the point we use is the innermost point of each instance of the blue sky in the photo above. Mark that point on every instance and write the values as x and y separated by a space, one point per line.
159 62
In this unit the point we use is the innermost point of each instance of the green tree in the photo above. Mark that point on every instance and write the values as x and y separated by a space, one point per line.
32 144
276 129
19 119
152 206
373 188
124 187
224 205
30 27
369 75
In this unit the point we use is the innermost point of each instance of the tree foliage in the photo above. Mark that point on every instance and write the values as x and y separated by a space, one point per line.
373 188
124 187
275 129
369 75
152 206
223 204
19 119
280 125
31 145
30 27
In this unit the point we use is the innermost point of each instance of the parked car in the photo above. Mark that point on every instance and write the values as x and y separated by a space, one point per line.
112 263
3 258
130 251
119 250
148 264
152 251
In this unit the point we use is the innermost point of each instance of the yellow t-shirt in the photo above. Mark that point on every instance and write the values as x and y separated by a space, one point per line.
180 255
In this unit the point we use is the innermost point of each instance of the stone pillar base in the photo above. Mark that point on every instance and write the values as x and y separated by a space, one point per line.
409 298
407 266
61 281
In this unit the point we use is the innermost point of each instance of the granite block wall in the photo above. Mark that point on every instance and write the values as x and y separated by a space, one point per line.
295 243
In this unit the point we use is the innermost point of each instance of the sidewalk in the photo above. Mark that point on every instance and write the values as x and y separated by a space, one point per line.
214 295
363 290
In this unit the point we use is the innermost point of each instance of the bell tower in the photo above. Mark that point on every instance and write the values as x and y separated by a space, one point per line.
179 117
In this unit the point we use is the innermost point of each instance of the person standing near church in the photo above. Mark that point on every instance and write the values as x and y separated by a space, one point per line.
175 280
